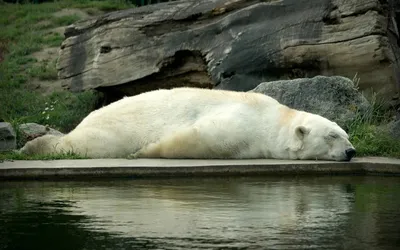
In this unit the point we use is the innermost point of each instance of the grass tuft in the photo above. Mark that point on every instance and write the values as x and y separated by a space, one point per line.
10 156
370 136
44 71
52 39
65 20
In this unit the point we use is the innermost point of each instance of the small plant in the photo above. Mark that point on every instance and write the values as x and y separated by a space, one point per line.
48 110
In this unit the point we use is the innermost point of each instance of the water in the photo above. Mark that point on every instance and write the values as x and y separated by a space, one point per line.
203 213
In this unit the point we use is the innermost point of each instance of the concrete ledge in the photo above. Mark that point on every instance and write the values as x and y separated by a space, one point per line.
124 168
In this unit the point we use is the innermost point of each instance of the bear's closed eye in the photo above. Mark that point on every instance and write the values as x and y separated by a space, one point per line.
334 136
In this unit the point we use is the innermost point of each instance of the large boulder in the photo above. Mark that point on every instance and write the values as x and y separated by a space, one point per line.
335 98
232 44
8 139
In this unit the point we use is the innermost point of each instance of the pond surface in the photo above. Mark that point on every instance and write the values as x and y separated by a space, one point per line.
202 213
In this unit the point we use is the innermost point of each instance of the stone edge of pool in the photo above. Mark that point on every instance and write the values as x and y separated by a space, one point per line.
111 168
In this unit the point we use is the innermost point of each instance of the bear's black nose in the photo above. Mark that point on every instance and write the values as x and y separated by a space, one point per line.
350 153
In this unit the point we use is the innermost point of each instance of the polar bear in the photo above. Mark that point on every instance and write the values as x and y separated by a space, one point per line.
200 123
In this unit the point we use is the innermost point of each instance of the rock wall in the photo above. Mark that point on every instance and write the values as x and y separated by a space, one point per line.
232 44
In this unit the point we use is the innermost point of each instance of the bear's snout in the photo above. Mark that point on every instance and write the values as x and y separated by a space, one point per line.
350 153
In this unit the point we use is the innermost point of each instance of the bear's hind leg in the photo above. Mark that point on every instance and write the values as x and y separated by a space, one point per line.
187 143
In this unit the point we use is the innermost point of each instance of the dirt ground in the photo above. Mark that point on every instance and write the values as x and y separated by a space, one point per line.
50 54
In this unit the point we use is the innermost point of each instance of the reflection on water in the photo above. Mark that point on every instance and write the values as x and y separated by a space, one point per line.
203 213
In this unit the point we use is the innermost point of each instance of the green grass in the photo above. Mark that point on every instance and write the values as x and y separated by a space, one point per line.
369 137
105 6
66 20
11 156
52 39
44 71
25 29
369 140
60 110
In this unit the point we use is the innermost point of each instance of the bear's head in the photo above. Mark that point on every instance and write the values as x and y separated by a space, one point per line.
40 145
321 139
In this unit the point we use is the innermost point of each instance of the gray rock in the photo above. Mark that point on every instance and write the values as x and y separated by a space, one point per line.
29 131
8 139
335 98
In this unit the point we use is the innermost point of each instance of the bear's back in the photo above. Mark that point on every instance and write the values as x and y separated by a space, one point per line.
170 108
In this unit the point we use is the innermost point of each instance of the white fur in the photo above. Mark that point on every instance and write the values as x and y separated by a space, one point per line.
199 123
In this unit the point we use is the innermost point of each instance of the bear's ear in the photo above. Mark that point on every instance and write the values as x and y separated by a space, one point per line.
296 143
301 131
